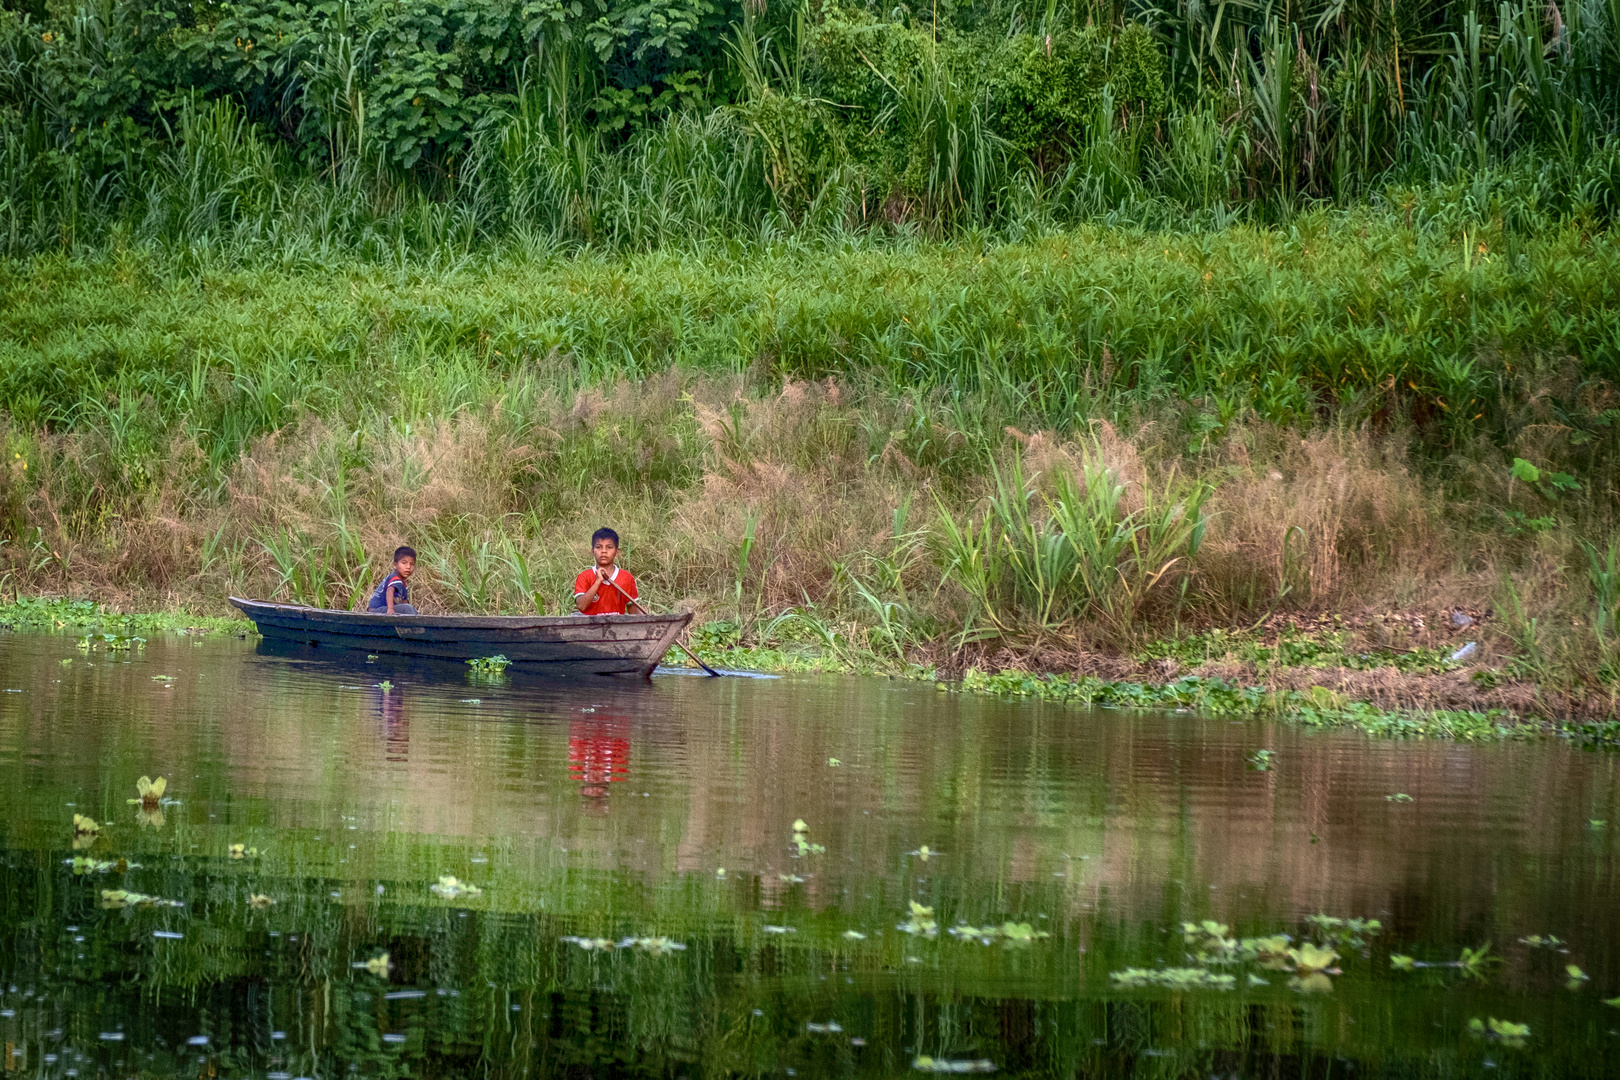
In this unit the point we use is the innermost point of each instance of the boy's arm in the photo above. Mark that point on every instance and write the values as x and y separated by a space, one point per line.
388 594
588 597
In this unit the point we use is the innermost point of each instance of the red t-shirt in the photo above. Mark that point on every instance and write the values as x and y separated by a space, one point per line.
609 601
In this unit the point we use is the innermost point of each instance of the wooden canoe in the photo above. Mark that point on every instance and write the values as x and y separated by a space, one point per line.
560 644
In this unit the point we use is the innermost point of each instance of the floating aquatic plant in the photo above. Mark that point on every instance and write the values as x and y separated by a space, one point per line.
385 686
1473 962
150 800
82 865
1576 976
489 665
801 839
150 791
259 901
1615 1001
923 853
83 826
655 946
1312 966
111 642
943 1065
1399 796
590 944
1260 760
163 678
1351 932
834 762
1402 962
854 935
1597 823
1010 932
1190 978
791 879
1210 937
242 851
1543 941
378 965
1505 1031
921 922
448 887
831 1027
122 898
769 929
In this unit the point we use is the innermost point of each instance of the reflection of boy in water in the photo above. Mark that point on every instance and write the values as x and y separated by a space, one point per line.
598 753
396 730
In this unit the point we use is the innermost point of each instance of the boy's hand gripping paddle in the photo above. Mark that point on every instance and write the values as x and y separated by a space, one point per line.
678 645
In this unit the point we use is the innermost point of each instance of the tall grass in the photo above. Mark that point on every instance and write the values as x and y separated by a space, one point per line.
1270 109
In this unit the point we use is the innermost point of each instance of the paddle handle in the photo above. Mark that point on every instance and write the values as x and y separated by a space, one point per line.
678 645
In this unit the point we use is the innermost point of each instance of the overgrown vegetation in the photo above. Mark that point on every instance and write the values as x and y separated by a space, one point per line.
267 129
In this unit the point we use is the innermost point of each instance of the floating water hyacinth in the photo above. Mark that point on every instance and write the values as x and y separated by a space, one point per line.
121 898
854 935
1010 932
1615 1001
1402 962
259 901
833 762
1260 760
655 946
83 826
451 889
791 879
1193 978
923 853
378 965
590 944
82 865
150 791
1351 932
1312 966
1399 796
1504 1031
921 922
1543 941
242 851
385 686
489 665
1576 975
801 839
163 678
943 1065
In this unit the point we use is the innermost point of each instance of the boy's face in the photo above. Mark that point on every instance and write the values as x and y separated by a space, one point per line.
605 551
405 567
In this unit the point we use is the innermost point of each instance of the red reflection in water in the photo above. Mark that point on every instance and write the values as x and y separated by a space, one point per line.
599 753
396 730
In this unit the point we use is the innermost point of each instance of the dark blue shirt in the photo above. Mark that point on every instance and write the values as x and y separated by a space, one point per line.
379 599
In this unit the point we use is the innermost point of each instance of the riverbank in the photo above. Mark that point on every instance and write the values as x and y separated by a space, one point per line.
1418 696
945 454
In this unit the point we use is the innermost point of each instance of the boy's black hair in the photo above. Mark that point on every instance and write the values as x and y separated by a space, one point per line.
604 534
402 551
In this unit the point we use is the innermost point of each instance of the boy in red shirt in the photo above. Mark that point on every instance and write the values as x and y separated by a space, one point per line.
594 592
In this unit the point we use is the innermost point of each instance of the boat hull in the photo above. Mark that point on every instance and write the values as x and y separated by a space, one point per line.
562 645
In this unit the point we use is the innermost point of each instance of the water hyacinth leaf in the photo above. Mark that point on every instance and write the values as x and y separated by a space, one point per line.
921 922
451 889
923 853
83 826
490 665
799 826
1193 978
259 901
1615 1001
150 791
1400 962
1576 975
833 762
1309 958
854 935
1542 941
943 1065
385 686
1399 797
378 965
590 944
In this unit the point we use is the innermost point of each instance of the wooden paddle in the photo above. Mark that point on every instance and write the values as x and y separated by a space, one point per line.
678 645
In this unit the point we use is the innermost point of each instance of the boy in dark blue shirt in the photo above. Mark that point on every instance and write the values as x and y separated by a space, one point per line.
393 595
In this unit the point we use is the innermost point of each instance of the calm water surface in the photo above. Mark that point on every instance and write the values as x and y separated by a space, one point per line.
608 810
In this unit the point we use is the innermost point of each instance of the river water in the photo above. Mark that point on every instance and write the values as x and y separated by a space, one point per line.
610 810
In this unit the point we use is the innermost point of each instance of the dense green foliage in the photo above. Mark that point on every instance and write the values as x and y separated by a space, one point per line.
297 128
